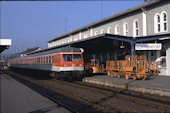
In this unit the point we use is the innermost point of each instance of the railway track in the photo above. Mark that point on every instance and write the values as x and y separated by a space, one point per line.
89 98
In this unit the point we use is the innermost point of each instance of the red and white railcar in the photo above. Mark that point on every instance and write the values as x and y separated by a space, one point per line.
63 62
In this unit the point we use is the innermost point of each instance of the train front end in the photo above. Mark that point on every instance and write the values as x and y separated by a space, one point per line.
71 65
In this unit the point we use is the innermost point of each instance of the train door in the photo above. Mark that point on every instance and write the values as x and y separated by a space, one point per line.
58 61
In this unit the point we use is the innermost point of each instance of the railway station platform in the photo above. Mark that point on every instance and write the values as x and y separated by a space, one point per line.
159 85
18 98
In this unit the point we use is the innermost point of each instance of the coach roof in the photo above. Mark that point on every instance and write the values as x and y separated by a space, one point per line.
51 51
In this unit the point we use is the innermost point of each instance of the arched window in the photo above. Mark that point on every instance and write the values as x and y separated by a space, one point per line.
164 22
117 30
102 31
157 23
109 30
135 28
71 39
86 35
96 32
125 29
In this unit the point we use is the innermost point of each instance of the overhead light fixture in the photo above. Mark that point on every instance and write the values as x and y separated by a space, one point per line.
122 46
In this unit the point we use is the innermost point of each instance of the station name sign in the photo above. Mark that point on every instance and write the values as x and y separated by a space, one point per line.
148 46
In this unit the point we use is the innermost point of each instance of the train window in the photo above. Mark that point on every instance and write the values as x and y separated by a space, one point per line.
41 61
38 60
77 57
52 59
34 60
74 57
67 57
49 59
58 58
46 59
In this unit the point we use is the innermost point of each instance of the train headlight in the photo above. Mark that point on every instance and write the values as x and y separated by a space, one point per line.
65 65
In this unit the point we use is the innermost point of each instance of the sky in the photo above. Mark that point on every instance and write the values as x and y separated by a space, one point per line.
33 23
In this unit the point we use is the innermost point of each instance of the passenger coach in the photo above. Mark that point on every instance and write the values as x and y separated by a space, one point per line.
62 62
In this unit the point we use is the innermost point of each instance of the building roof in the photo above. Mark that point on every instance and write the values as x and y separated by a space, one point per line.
29 50
145 4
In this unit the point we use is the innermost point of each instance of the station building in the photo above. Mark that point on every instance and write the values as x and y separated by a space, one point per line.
116 36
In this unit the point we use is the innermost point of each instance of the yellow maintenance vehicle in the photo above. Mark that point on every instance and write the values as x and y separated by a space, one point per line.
154 68
94 67
128 68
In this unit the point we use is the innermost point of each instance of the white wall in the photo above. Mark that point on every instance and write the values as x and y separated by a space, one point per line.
168 61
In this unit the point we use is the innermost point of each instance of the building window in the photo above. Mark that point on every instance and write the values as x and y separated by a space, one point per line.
109 30
102 31
125 29
161 22
96 32
135 28
157 23
164 20
86 35
117 30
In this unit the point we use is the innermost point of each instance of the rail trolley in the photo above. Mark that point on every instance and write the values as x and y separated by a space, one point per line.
61 62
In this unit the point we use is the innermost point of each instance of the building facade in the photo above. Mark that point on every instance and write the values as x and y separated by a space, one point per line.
147 19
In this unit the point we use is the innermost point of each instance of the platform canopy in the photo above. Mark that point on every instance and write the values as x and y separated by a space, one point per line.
104 40
4 44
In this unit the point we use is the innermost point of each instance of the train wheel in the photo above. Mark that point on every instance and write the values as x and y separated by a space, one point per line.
134 77
144 78
127 76
118 75
53 75
108 73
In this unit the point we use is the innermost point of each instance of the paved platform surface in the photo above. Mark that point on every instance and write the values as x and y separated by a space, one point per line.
159 85
18 98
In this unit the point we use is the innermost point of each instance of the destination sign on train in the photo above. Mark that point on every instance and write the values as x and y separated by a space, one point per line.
148 46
